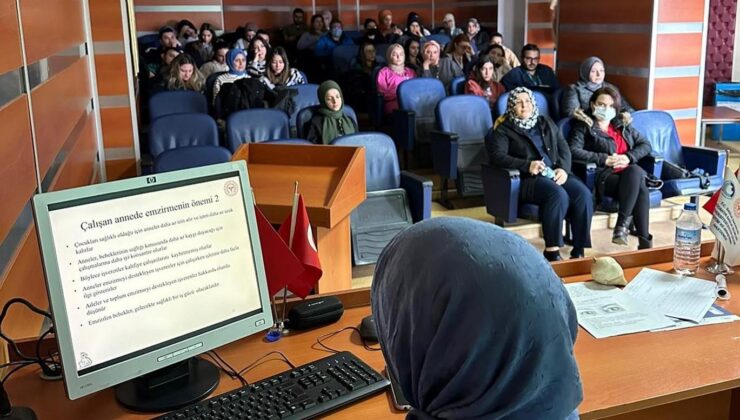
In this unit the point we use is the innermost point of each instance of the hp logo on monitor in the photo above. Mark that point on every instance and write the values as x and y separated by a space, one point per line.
151 179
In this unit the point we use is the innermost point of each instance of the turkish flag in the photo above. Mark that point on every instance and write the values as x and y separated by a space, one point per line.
304 249
281 264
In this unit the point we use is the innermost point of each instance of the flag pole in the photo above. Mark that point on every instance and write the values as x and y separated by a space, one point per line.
293 217
719 266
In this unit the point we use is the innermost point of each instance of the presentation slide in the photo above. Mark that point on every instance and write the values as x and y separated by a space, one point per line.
139 270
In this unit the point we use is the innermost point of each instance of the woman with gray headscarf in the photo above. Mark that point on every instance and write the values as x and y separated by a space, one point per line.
591 77
531 143
474 325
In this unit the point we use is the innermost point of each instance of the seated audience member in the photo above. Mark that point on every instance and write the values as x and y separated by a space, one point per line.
372 36
500 66
218 64
591 77
511 59
293 32
202 49
367 59
279 73
153 57
236 59
482 82
308 39
388 29
390 76
336 36
184 75
159 81
257 61
448 26
329 121
430 52
413 58
435 283
531 74
369 25
414 30
246 34
327 15
186 32
615 147
265 37
533 144
454 63
479 40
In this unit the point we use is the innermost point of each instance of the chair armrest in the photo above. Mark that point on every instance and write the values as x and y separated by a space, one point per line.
444 153
419 191
376 108
652 164
586 171
713 161
404 123
501 192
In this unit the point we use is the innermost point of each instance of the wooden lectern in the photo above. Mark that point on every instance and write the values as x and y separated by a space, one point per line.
332 182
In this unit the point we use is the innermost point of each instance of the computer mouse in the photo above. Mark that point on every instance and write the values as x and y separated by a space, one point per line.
368 332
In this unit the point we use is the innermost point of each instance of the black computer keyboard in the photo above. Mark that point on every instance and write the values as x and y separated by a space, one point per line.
301 393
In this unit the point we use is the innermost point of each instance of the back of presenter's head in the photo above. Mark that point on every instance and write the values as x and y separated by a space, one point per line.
474 323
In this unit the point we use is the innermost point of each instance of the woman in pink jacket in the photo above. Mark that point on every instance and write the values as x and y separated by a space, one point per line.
392 75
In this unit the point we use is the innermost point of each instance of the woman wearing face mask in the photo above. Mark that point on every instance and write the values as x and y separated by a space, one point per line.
434 284
257 64
392 75
531 143
482 83
237 62
184 75
615 147
591 77
498 57
329 121
279 73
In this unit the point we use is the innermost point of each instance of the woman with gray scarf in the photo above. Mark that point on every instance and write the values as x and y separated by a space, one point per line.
591 77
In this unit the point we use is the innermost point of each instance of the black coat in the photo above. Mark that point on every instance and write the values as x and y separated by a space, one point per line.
510 147
591 145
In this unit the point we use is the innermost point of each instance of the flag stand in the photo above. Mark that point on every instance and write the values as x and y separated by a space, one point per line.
719 266
278 327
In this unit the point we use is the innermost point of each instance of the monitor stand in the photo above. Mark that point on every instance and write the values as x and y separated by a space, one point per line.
169 388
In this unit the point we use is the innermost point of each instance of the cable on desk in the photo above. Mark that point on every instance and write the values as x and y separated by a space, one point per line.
19 365
50 368
320 341
257 362
225 367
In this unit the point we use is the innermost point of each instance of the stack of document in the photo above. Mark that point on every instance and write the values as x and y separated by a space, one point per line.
653 300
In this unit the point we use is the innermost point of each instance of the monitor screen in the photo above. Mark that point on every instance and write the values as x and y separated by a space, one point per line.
147 272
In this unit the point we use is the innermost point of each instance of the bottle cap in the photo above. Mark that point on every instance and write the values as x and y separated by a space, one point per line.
690 206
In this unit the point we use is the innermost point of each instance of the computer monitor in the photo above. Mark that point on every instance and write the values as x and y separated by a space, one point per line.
144 274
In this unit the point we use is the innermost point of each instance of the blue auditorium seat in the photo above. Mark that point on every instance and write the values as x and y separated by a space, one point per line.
305 115
288 141
660 130
395 199
177 102
190 157
458 149
542 104
415 116
256 126
442 39
307 96
341 57
457 86
181 130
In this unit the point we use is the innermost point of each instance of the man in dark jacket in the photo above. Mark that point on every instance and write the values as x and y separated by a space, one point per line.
531 74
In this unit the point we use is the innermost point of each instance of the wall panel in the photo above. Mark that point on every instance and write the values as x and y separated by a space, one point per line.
76 170
153 14
18 163
676 93
608 12
43 39
58 105
111 74
10 58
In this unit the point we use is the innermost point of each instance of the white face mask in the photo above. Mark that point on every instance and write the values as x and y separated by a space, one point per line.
605 113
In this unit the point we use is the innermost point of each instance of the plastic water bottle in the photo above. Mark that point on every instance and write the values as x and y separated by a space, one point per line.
687 249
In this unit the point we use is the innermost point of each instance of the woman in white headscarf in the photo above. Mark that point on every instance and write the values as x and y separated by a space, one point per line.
532 143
